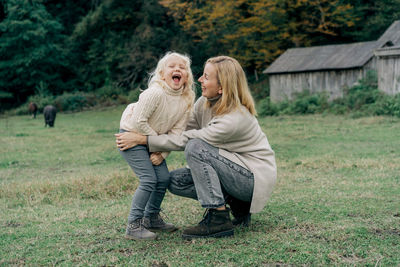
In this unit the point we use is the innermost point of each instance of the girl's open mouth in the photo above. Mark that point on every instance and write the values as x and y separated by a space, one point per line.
176 78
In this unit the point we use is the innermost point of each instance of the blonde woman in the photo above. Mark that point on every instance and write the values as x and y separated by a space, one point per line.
230 160
162 108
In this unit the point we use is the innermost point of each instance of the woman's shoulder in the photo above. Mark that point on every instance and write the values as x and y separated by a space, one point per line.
239 113
200 101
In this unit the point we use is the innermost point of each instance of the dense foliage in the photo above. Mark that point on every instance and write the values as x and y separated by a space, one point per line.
107 47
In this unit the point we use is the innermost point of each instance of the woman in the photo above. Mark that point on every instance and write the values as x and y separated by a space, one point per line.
230 160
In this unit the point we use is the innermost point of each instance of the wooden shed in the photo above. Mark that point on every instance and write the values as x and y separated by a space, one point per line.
327 68
388 67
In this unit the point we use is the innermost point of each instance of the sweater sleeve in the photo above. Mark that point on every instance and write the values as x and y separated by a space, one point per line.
145 107
178 128
218 132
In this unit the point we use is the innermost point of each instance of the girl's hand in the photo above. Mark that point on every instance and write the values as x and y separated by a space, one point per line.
127 140
156 158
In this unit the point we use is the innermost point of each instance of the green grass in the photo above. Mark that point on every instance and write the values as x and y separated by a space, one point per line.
65 194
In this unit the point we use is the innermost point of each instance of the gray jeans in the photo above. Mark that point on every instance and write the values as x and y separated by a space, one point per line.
210 177
154 181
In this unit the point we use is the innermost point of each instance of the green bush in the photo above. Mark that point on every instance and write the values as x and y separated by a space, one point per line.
307 103
77 101
363 99
71 101
303 103
109 92
267 108
40 100
387 105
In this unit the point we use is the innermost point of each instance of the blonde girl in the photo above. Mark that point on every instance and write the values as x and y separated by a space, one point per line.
163 108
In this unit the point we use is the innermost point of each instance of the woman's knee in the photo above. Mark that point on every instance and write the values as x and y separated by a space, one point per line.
193 147
182 183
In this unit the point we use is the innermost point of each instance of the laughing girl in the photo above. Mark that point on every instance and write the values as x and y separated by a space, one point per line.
161 109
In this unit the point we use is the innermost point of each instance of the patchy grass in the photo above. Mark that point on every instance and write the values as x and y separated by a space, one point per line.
65 194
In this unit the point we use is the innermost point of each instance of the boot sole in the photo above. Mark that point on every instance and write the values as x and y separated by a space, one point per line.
141 239
215 235
162 230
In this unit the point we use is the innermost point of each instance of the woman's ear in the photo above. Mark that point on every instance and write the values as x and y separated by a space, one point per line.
220 90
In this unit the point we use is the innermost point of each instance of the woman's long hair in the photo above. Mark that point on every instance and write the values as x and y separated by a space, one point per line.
189 87
235 90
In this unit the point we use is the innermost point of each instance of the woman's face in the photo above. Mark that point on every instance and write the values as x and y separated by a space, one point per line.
175 73
210 86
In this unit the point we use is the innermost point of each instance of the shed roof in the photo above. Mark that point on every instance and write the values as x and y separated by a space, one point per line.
332 57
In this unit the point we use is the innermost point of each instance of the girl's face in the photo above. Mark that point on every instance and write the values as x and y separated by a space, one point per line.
175 73
210 86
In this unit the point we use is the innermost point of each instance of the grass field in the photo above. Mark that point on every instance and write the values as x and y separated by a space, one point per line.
65 193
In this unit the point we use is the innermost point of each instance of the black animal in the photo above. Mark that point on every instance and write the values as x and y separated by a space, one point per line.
33 109
49 113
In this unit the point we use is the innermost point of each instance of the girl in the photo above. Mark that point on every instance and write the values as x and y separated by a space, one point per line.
230 159
163 108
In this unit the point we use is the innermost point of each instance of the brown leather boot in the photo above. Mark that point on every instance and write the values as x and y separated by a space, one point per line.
135 230
215 223
155 223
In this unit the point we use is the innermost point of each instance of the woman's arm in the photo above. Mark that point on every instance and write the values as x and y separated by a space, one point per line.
127 140
218 132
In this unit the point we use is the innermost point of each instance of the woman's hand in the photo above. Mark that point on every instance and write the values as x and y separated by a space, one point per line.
156 158
127 140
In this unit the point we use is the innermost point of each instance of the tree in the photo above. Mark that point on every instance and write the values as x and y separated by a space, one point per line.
69 12
373 18
257 31
31 54
119 42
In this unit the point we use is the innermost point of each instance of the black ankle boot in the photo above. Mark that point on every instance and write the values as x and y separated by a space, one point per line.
215 223
240 211
243 221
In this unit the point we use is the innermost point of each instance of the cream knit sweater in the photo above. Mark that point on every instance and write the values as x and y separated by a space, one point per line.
159 110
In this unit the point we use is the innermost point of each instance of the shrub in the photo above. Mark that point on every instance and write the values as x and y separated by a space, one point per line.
40 100
307 103
267 108
71 101
109 92
387 105
363 99
77 101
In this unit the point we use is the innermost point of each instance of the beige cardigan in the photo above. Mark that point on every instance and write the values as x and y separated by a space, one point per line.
159 110
239 138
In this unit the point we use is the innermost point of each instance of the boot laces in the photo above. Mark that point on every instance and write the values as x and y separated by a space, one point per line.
158 218
206 218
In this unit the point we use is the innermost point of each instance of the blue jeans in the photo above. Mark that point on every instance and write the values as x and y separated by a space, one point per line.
210 177
154 181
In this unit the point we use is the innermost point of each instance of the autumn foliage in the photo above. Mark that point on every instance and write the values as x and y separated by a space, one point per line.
257 31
